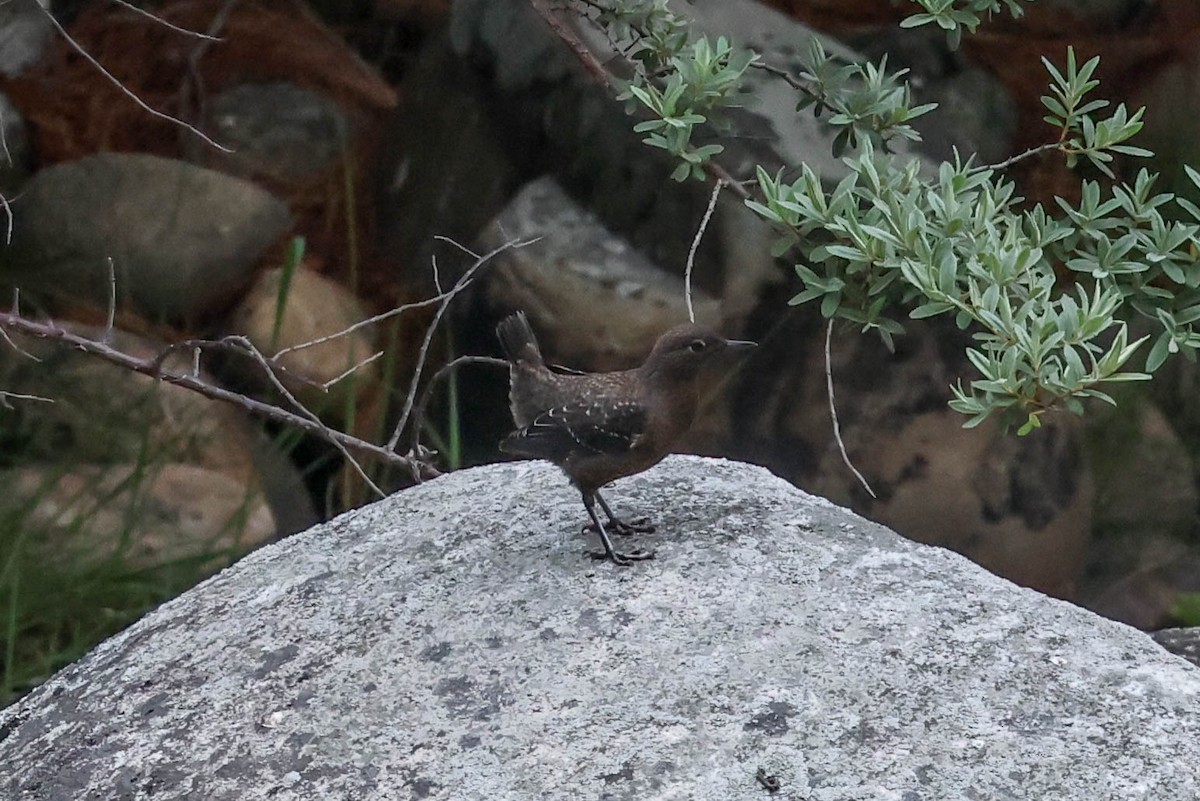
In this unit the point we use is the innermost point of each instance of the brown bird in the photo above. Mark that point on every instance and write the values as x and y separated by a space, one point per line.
599 427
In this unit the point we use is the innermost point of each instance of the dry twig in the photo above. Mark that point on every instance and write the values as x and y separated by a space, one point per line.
150 366
5 397
419 410
837 428
446 297
162 115
302 418
691 257
143 12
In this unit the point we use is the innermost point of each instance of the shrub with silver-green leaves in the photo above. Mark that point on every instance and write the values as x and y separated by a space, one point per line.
891 241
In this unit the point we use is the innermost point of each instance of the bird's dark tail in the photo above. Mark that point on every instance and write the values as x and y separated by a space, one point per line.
517 339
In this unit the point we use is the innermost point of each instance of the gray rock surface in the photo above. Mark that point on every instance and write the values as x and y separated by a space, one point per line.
453 642
183 240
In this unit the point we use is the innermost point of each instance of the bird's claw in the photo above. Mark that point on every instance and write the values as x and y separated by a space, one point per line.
625 528
623 558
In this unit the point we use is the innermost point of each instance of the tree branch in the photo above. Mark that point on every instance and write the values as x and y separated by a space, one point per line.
151 367
302 418
125 90
601 75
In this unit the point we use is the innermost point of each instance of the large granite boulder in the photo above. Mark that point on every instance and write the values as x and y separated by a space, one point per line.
454 642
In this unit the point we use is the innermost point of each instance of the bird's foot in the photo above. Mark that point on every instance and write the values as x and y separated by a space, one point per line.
623 558
639 525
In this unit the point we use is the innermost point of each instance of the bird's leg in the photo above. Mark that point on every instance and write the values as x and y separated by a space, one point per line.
616 525
618 557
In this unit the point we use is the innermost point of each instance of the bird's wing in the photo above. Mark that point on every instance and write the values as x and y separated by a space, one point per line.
579 429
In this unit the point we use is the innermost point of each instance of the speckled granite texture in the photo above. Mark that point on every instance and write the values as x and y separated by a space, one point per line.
454 642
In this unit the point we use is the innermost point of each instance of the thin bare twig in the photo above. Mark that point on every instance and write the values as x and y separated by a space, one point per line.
17 347
326 432
6 396
8 215
1008 162
185 87
563 31
112 301
691 257
151 367
446 297
16 310
800 86
163 22
353 369
437 276
235 343
301 417
420 304
125 90
8 219
837 429
4 141
358 326
423 403
464 248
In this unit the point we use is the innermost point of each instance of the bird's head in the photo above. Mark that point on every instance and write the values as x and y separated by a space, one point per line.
688 351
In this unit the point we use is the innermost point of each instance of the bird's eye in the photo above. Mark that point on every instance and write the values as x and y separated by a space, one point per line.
697 345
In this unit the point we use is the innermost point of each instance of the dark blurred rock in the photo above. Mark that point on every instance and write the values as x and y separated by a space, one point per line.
975 112
1101 15
508 104
1172 98
1145 478
1182 642
275 130
546 104
445 170
426 12
184 240
975 115
1146 512
24 31
1137 578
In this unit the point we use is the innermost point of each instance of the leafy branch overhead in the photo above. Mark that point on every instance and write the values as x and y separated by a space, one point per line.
1047 293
